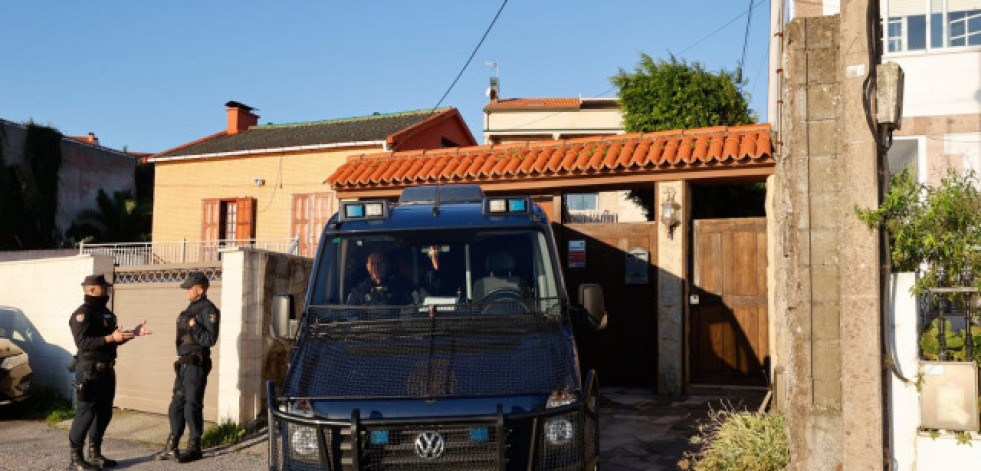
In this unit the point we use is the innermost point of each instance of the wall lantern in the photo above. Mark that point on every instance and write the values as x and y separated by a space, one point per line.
670 212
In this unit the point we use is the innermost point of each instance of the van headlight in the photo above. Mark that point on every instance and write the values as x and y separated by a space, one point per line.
303 440
559 430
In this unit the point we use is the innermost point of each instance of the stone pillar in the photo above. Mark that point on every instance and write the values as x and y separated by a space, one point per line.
672 250
825 261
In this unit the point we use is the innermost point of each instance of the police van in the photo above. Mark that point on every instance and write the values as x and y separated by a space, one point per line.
436 333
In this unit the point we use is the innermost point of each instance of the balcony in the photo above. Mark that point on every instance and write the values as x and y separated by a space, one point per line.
184 251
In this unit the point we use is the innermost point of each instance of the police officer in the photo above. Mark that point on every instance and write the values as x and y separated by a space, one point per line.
381 287
197 332
97 335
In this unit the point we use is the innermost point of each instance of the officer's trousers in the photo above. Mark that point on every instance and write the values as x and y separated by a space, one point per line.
187 404
94 409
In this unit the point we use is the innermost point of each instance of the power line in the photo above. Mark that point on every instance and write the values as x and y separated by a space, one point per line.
749 20
462 70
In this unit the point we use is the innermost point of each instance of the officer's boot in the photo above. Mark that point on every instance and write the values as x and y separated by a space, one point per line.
78 462
169 451
96 458
192 452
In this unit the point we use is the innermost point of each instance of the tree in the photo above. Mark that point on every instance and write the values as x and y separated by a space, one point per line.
662 95
116 219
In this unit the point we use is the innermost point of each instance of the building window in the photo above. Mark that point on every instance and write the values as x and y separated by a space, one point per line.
904 154
953 23
582 201
228 219
310 213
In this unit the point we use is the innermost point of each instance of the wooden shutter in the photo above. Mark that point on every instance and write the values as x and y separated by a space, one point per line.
210 219
301 224
310 213
245 224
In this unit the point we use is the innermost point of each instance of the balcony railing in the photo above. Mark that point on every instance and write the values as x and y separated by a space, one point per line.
591 216
183 251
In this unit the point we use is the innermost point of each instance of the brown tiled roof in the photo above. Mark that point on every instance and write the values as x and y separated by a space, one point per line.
533 103
334 131
705 148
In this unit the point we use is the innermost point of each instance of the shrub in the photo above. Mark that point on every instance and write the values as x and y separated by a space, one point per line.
739 441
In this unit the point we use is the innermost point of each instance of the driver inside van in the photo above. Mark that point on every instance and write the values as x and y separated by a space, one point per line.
382 287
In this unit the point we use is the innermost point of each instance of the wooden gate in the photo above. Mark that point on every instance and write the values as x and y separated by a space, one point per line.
145 366
728 336
625 353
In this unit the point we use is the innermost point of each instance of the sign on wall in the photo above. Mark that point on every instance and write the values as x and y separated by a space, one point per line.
635 266
577 254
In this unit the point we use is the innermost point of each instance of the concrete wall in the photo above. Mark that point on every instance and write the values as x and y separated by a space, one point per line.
826 277
511 125
85 169
249 356
39 297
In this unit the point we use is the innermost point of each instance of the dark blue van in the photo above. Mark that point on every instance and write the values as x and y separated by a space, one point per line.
436 334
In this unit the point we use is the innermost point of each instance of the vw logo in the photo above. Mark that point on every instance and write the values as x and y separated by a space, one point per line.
430 445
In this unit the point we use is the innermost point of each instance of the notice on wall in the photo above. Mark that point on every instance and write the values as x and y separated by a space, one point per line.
577 254
635 266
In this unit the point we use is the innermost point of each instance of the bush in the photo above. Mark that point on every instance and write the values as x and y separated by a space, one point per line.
739 441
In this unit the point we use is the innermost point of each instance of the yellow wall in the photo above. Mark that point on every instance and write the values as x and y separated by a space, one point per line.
181 185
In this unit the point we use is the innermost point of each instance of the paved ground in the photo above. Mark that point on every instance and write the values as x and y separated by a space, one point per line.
639 431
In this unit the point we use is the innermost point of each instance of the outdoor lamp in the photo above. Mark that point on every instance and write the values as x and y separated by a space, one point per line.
670 212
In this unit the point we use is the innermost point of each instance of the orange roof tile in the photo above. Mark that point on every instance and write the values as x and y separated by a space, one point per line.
706 148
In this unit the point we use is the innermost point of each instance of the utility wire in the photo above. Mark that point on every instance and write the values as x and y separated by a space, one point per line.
462 69
749 20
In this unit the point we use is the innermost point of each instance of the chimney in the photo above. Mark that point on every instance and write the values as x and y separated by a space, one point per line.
240 117
494 89
92 139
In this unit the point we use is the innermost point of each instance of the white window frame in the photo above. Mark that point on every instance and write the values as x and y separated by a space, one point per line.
946 47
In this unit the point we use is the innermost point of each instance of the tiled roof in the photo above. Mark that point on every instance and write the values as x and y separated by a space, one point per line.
277 136
533 103
706 148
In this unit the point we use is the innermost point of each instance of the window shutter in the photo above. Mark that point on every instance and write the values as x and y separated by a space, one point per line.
210 217
300 222
245 224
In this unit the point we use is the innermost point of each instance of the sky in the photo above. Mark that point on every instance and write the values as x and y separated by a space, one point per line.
149 76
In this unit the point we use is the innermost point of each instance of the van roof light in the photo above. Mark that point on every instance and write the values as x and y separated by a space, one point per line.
507 205
363 210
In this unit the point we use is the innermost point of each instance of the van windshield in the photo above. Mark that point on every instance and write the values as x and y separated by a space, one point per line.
504 271
461 312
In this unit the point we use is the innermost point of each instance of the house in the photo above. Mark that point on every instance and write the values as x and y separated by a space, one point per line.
265 182
28 153
514 120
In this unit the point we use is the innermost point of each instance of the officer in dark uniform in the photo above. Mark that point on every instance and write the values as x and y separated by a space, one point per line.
197 332
97 335
381 287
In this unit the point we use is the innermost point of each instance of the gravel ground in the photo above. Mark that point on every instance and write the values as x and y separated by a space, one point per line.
33 445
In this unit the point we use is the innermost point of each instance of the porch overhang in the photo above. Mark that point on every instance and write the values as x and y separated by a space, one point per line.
740 153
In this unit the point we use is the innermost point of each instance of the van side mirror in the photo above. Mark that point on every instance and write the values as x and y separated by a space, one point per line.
591 299
283 324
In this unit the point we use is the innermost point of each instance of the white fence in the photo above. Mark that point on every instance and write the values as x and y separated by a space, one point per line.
184 251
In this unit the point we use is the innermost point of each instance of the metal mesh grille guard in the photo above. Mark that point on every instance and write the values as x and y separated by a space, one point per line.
372 353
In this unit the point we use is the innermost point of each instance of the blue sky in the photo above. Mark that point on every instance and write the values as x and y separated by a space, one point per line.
154 75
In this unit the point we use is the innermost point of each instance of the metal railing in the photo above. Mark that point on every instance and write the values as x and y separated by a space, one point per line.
183 251
591 216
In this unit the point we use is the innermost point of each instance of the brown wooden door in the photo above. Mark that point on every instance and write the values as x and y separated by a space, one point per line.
728 336
625 353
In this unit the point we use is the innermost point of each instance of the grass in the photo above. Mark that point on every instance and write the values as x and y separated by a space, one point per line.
229 432
739 441
43 404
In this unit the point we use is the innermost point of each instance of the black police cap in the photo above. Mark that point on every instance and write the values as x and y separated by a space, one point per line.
95 280
195 278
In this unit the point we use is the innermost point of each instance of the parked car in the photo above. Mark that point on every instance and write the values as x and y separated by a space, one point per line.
463 358
15 372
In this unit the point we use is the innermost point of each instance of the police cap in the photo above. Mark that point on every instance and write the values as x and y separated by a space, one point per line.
95 280
195 278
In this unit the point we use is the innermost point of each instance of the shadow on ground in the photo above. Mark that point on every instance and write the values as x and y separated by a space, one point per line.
642 431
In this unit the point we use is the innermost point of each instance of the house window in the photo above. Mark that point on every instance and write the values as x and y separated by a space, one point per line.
582 201
953 23
310 213
904 154
228 219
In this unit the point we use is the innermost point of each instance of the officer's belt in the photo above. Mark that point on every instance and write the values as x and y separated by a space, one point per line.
191 359
90 365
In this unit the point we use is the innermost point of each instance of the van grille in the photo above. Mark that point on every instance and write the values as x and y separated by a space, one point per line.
472 447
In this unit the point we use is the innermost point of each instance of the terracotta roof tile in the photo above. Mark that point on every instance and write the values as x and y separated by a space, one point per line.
707 148
533 103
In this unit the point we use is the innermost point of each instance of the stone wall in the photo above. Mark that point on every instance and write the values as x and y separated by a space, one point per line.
825 262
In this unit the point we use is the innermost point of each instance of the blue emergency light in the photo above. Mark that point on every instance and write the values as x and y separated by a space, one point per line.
507 205
363 210
379 437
